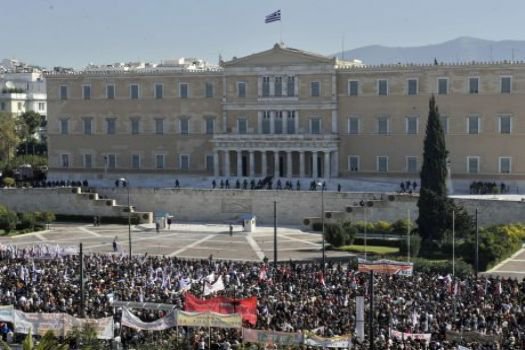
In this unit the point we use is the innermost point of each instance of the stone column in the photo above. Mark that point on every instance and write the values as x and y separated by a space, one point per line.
239 163
272 122
252 164
216 172
301 164
264 164
326 167
276 164
285 122
314 164
227 163
259 122
289 164
272 86
335 168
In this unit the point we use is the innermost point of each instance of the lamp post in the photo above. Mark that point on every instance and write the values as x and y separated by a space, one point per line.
125 182
322 223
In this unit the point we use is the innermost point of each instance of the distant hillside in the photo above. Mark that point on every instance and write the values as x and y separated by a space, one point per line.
464 49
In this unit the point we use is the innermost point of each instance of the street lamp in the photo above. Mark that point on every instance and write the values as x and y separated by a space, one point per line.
322 221
125 183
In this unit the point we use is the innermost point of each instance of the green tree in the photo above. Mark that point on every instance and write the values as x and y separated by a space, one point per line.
8 137
28 123
433 204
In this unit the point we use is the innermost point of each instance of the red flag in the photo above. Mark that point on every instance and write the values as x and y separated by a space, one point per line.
246 307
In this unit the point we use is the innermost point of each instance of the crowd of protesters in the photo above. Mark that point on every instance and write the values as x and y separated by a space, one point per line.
268 183
292 298
479 187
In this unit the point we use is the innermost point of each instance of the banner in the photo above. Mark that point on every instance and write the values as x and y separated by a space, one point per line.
132 321
246 307
473 337
414 336
360 317
389 267
39 323
7 313
102 326
208 319
343 341
265 337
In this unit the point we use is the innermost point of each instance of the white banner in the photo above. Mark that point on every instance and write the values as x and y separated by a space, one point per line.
102 326
360 317
415 336
132 321
334 342
7 313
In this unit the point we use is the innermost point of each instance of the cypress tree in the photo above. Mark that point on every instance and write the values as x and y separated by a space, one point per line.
433 203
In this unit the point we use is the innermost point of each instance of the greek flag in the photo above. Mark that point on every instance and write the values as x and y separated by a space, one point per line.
272 17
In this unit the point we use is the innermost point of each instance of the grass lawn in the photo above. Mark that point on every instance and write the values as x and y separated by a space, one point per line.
372 249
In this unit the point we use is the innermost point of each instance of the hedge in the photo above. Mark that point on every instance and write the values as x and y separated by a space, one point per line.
103 219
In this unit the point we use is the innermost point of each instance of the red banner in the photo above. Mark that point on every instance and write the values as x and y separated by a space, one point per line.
246 307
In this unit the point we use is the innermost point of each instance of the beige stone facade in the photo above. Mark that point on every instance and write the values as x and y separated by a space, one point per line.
287 113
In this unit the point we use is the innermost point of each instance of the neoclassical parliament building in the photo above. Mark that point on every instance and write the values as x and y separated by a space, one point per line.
287 113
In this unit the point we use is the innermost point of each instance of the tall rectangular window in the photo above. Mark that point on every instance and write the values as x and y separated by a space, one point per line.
473 85
110 92
444 123
278 123
382 126
135 126
111 161
88 161
353 88
473 125
442 86
266 86
63 92
353 163
278 91
290 123
505 124
183 90
86 92
412 87
382 164
159 91
64 126
242 126
208 90
135 161
41 106
411 164
411 125
241 89
290 86
266 122
159 126
210 126
473 164
209 163
160 161
315 89
505 165
184 126
65 160
134 91
184 162
506 85
111 128
87 125
382 87
315 125
353 125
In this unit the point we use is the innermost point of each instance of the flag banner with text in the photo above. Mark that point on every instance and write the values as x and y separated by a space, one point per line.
414 336
473 337
343 341
132 321
7 313
246 307
389 267
208 319
104 327
360 317
270 337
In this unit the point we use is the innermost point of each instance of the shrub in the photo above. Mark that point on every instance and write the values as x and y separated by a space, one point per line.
382 227
415 245
8 182
350 232
8 219
26 221
335 235
400 226
360 227
442 267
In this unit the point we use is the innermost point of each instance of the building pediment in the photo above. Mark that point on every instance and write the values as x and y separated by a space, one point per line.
279 55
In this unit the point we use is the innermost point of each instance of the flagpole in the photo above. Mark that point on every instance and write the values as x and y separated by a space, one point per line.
280 31
453 243
408 235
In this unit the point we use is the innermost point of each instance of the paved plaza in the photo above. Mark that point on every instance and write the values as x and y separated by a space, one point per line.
513 267
184 241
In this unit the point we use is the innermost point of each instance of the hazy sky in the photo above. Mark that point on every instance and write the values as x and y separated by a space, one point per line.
77 32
